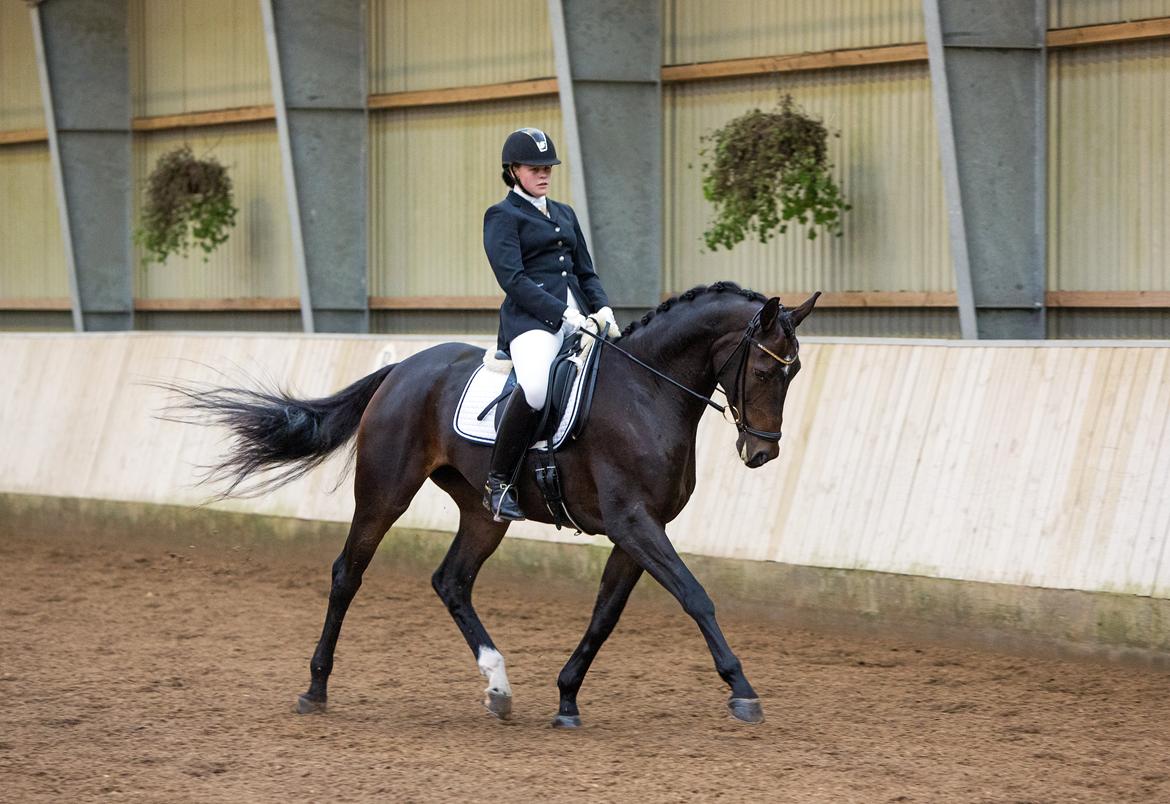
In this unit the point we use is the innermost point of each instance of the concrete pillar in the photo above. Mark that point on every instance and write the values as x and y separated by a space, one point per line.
988 65
317 52
83 58
609 60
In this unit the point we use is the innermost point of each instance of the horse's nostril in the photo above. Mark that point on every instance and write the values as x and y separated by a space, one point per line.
759 459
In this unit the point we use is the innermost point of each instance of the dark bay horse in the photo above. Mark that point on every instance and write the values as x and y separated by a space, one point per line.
630 473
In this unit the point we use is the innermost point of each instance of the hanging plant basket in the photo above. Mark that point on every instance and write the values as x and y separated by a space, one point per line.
188 203
765 170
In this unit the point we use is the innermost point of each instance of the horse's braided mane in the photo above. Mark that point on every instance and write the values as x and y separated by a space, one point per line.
699 290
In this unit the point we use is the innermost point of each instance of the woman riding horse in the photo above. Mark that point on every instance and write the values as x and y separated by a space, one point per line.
538 253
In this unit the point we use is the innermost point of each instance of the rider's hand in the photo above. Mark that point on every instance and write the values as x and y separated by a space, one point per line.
574 319
606 315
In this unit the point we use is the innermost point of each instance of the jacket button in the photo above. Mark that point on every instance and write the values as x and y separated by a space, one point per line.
557 229
562 258
560 242
564 273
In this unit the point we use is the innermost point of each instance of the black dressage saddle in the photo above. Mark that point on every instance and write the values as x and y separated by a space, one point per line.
561 376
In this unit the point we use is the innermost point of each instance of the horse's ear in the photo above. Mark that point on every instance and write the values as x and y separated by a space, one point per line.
800 313
768 315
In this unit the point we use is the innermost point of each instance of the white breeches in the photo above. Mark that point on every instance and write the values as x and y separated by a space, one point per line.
532 356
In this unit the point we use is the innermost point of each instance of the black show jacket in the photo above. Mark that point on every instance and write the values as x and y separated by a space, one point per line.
535 260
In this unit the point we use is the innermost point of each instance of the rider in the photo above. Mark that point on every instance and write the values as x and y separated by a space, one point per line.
538 253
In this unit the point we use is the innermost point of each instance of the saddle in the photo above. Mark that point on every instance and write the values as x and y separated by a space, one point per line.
572 379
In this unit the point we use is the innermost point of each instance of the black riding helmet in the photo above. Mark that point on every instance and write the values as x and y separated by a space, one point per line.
527 146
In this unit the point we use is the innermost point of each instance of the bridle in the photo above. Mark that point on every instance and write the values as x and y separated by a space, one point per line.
748 339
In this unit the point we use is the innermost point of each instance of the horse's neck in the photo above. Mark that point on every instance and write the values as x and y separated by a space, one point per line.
681 343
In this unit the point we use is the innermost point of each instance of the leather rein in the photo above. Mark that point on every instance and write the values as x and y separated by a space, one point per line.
737 417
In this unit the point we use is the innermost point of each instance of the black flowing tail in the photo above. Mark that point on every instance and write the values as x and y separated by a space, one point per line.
274 434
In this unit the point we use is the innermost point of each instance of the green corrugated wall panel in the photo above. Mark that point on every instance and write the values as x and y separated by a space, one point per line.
36 321
197 55
1070 13
32 256
428 322
1109 194
429 44
1083 323
886 160
433 172
696 30
890 322
20 88
257 258
220 321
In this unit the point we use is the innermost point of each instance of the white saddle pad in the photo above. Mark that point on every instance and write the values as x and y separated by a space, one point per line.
486 383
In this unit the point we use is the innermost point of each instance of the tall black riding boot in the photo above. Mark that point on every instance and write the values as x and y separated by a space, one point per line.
517 427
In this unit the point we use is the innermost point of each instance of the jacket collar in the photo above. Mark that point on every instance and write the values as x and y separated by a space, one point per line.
529 209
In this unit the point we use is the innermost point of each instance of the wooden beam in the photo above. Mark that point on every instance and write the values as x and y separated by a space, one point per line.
1083 299
436 302
216 305
473 94
23 135
1157 28
875 298
37 304
799 62
216 117
1103 299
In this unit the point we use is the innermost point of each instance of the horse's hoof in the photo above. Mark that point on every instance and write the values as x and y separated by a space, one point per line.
498 704
567 722
746 709
307 706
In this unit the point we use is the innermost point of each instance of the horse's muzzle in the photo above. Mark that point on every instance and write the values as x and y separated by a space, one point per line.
754 459
759 459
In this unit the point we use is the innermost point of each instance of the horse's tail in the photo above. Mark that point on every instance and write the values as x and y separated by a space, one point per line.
276 437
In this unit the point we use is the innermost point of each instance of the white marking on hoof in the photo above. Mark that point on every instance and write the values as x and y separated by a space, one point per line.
491 667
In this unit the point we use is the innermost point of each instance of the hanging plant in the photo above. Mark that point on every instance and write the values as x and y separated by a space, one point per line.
188 202
766 170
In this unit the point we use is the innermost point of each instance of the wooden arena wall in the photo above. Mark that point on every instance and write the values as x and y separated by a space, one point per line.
1033 465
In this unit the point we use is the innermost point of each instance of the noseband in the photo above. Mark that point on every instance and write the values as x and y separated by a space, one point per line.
738 418
748 339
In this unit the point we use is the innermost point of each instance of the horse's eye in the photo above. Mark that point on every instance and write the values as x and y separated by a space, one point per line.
761 375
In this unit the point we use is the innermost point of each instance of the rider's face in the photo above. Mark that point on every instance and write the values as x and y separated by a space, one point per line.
534 179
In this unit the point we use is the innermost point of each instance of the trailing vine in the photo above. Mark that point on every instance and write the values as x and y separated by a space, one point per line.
766 170
188 202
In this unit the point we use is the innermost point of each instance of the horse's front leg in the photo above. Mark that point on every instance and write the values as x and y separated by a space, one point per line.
644 538
617 581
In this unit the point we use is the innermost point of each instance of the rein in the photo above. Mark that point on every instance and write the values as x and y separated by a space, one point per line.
705 399
737 418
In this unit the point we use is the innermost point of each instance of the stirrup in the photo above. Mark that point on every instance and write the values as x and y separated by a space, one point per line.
494 499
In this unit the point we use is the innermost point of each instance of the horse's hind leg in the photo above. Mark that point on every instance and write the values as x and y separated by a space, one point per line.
478 538
380 501
646 541
617 581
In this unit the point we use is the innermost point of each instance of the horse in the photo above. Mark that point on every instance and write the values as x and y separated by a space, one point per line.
629 473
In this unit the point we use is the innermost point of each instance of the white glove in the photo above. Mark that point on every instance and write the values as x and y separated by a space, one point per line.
574 319
611 327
